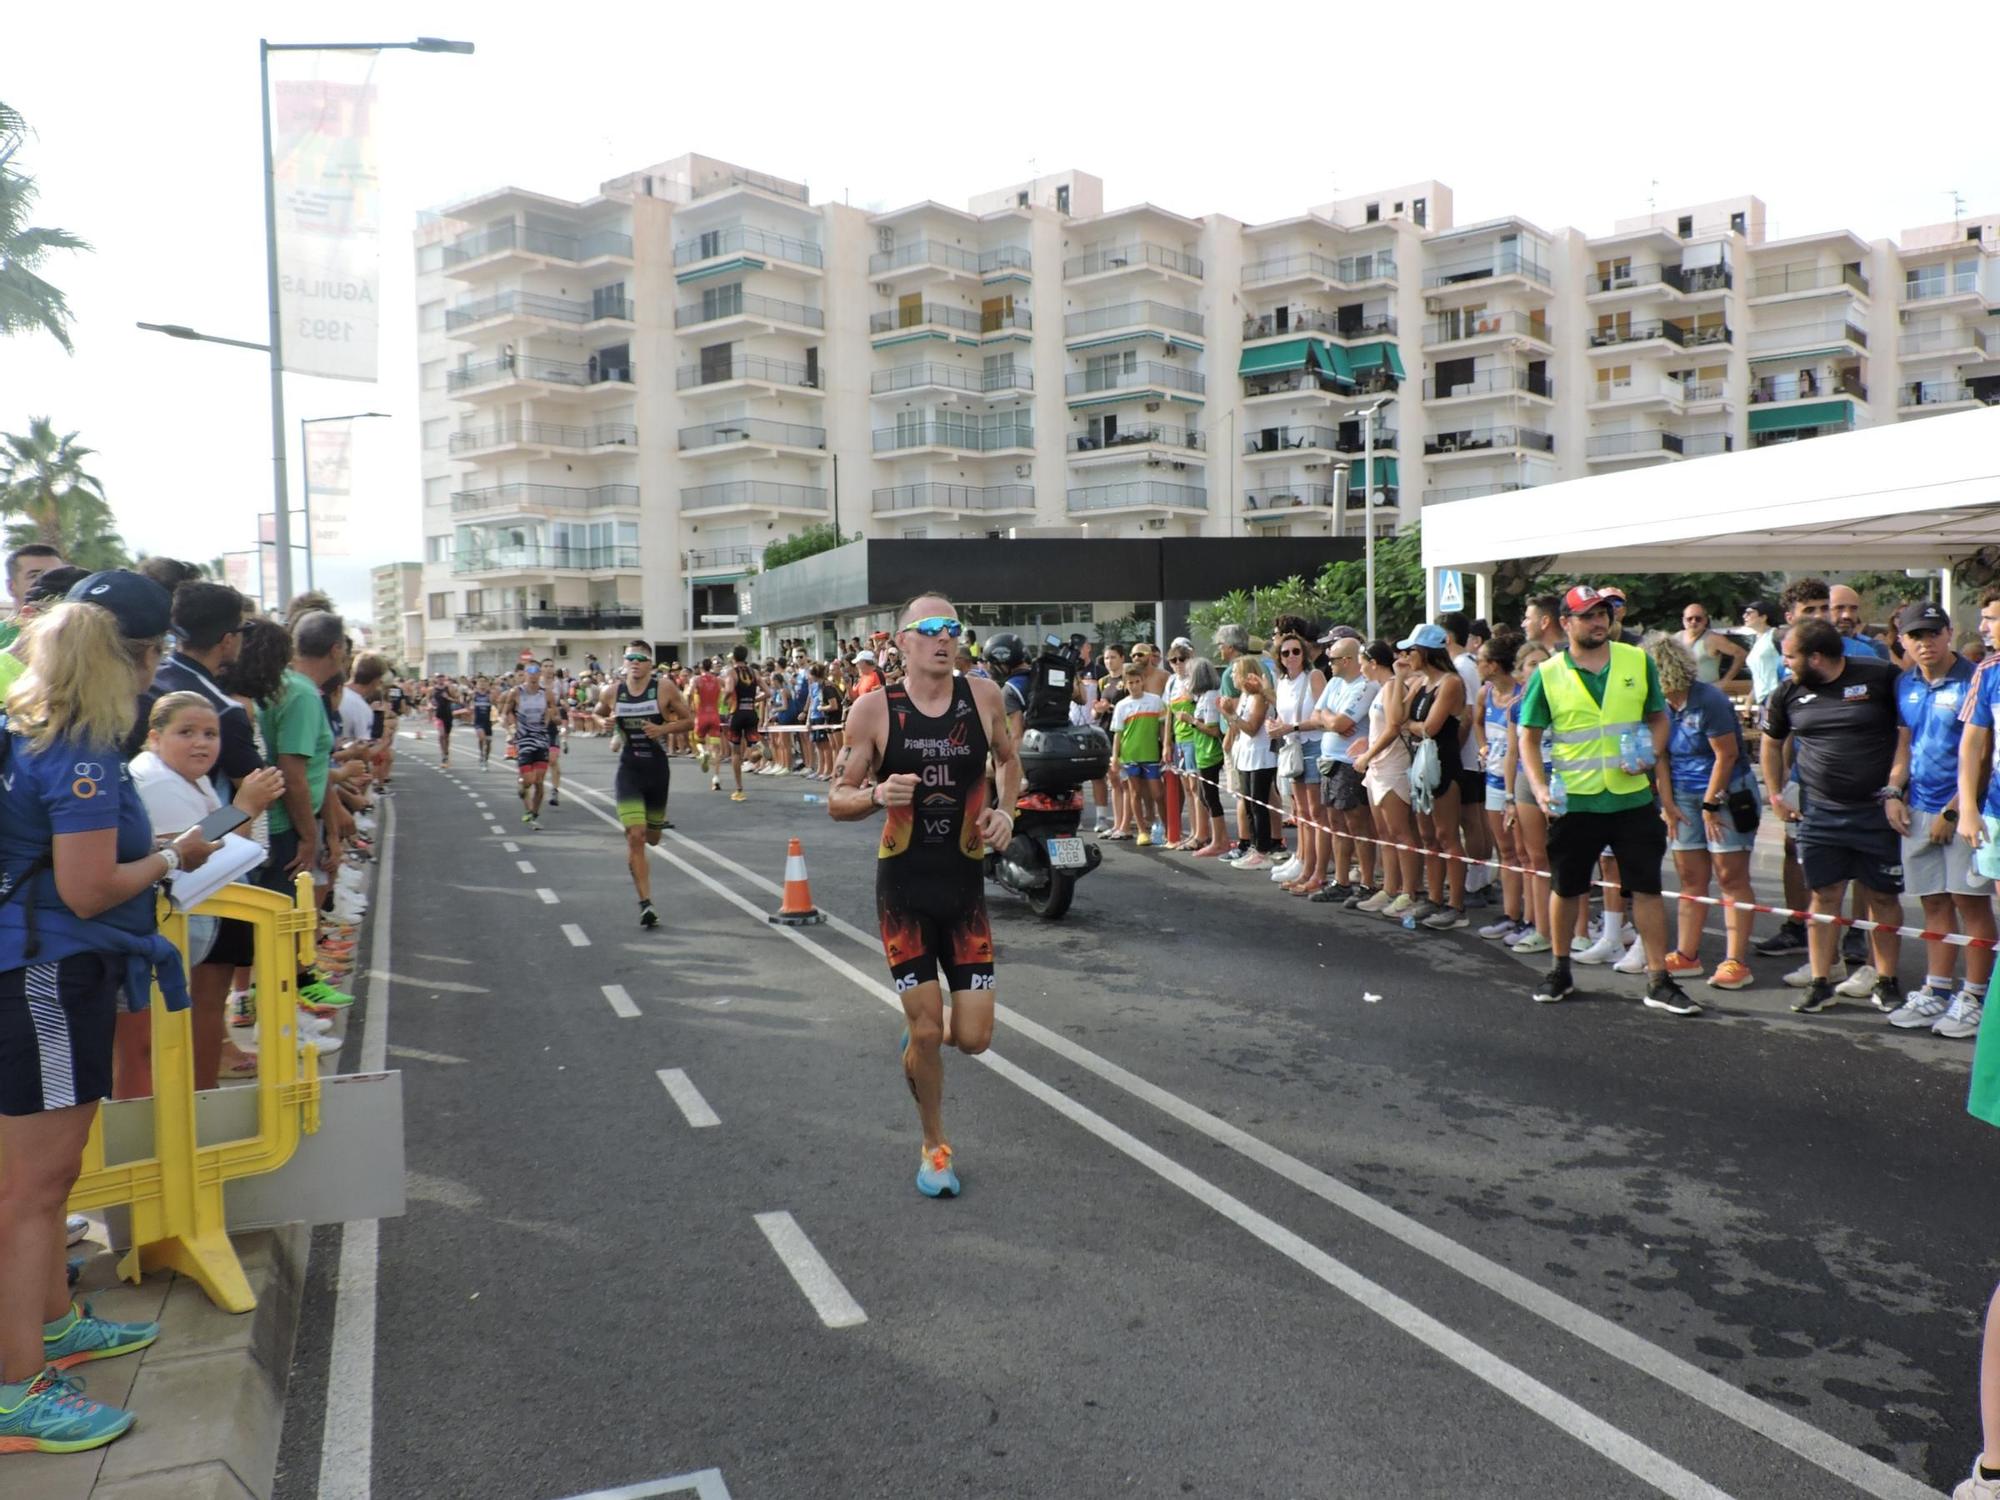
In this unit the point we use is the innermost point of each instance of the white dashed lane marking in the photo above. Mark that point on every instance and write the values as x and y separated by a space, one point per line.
549 897
621 1002
809 1269
688 1097
576 936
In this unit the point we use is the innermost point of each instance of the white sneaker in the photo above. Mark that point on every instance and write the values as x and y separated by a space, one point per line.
1289 870
1800 977
312 1025
1975 1488
1633 960
1859 985
1478 878
1919 1009
1603 951
76 1228
1961 1020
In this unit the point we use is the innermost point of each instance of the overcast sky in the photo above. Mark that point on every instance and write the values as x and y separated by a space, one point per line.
146 143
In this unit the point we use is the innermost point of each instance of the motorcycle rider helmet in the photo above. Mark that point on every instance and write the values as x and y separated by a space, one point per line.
1005 653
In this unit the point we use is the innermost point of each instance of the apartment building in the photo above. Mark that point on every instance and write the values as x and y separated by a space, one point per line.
396 596
627 399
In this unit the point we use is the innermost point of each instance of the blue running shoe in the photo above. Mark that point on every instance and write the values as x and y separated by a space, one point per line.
935 1178
53 1417
84 1338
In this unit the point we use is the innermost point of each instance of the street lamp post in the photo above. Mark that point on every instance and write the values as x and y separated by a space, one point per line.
1368 502
281 505
306 478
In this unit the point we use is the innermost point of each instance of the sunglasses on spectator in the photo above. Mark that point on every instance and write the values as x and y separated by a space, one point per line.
1291 651
936 625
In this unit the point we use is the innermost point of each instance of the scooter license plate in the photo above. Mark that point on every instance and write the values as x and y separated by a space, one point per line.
1066 854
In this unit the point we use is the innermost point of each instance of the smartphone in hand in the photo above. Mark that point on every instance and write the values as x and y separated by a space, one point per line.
225 819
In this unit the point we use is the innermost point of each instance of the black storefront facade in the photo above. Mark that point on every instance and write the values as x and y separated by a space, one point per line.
1100 587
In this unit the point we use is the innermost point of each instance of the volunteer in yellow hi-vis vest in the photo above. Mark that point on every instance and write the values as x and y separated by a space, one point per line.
1595 716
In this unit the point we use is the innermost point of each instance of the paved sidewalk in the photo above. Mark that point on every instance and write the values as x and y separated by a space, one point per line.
210 1394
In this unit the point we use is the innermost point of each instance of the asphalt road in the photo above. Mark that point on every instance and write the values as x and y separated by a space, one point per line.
1229 1228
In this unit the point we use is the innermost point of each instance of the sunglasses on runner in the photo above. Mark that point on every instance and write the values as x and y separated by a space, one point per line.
936 625
637 656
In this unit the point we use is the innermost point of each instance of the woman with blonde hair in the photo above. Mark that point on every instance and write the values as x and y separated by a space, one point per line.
1385 775
1297 690
77 868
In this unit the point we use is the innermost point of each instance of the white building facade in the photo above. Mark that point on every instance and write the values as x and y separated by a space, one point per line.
626 400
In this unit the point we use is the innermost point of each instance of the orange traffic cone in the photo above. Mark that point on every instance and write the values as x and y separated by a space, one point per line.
798 909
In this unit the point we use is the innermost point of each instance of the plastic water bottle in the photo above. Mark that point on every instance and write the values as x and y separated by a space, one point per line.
1558 795
1159 831
1635 752
814 799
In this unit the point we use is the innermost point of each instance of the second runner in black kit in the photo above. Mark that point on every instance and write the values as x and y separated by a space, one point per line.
926 743
645 711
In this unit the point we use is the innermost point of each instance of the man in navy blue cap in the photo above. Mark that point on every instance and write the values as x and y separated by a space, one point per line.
142 608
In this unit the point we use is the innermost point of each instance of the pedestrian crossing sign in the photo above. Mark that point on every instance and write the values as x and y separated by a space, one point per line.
1451 589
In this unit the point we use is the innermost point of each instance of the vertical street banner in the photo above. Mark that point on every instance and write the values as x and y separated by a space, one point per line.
327 194
330 485
240 573
267 562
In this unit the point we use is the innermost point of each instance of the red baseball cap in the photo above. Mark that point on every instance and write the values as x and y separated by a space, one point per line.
1582 599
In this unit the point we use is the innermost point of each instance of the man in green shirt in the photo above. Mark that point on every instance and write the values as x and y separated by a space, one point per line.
300 739
1594 715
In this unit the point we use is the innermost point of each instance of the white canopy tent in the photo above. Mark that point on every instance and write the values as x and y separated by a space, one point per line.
1922 494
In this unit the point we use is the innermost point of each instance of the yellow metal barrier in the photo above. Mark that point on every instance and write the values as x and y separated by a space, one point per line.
175 1195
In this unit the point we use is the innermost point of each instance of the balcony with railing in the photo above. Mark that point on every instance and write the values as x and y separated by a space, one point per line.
1793 281
963 437
1808 385
1926 393
1265 499
1473 328
555 435
1306 268
542 499
1643 388
957 497
753 368
1446 494
1945 285
1487 268
1001 380
1137 494
1488 383
1644 331
542 559
534 370
1132 315
1277 441
721 559
1313 381
1806 336
748 240
550 617
751 307
1486 440
1141 435
1002 259
1932 342
758 432
1706 444
752 494
1140 256
539 244
533 307
1145 375
1606 447
922 256
1303 320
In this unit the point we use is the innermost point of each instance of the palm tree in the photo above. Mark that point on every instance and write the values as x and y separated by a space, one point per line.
43 481
27 302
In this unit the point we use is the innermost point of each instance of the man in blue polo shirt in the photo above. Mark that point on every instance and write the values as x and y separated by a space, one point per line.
1937 864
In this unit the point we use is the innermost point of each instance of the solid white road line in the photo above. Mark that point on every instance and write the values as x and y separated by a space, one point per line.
688 1097
707 1485
1811 1443
621 1002
549 897
1549 1404
347 1441
809 1269
576 936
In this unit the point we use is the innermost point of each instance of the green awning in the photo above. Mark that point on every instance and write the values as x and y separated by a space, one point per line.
1332 358
1385 473
1290 355
1365 357
1806 414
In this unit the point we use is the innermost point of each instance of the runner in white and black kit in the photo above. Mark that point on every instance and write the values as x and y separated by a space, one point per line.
526 711
645 711
919 749
482 718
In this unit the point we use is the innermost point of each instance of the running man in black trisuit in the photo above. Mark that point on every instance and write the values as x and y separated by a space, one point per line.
444 708
482 717
919 749
644 712
739 687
